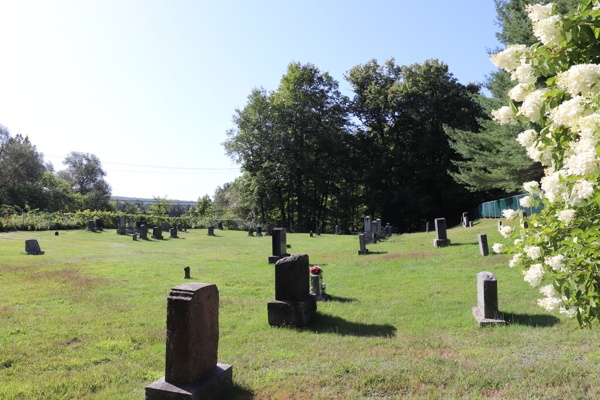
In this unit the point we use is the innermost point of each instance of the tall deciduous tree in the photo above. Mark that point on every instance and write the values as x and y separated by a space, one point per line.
84 172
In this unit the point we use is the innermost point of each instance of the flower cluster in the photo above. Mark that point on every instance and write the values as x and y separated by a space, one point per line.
316 270
566 140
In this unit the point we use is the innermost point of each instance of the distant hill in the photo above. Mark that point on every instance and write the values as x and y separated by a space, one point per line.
123 199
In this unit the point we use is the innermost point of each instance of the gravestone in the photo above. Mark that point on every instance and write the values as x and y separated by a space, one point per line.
269 229
32 247
441 238
470 224
191 368
337 229
293 304
279 245
363 244
130 223
317 287
91 227
499 225
368 224
55 233
165 226
121 230
486 310
483 244
220 225
377 228
211 231
369 238
523 219
186 272
311 234
465 219
426 226
250 232
173 232
143 232
134 237
99 224
157 233
258 231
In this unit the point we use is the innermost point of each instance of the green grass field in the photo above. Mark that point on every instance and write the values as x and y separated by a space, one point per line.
86 320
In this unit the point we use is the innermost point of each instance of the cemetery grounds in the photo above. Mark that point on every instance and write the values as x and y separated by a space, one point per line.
86 320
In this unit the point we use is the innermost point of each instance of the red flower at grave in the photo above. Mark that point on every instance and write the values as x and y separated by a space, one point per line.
316 270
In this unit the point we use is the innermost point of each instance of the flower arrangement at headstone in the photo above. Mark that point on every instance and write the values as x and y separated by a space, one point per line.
317 287
562 242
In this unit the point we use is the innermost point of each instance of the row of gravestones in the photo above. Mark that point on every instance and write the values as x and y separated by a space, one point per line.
374 231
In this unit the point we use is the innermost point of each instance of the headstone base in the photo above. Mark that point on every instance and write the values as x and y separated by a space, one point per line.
292 313
121 231
157 237
274 259
363 252
441 242
259 234
208 387
482 321
34 253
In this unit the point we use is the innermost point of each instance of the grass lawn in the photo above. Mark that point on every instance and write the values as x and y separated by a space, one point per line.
86 320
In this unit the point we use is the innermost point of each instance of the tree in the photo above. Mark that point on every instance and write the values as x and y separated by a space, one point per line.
203 206
83 170
160 207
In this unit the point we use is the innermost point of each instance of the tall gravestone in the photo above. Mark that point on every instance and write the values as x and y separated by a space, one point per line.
499 225
426 226
211 231
293 304
91 227
173 232
144 232
337 229
32 247
483 244
99 224
486 311
279 245
465 219
258 231
121 230
250 232
441 238
368 224
157 233
191 368
363 245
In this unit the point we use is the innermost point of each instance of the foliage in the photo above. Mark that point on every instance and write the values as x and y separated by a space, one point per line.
160 207
85 174
562 242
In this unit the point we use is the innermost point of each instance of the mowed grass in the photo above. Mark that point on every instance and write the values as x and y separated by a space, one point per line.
87 320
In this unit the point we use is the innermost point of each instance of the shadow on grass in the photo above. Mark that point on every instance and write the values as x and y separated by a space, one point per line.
341 299
325 323
318 265
465 244
237 392
376 252
531 319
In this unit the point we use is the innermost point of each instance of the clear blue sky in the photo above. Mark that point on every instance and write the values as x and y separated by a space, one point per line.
155 83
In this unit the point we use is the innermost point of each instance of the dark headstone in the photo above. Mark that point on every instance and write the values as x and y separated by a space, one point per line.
368 224
363 245
441 238
32 247
258 231
486 311
191 368
91 227
186 272
427 227
250 232
211 231
311 234
121 230
483 244
134 236
99 224
220 225
143 232
279 245
157 233
55 233
337 229
173 233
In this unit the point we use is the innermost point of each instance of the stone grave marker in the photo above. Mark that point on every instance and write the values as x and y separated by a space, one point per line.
483 244
91 227
441 238
311 234
426 226
99 224
121 230
368 224
144 232
165 227
293 304
363 244
470 224
191 368
337 229
134 237
465 219
499 225
186 272
279 245
211 231
523 219
486 311
250 232
55 233
258 231
32 247
157 233
173 232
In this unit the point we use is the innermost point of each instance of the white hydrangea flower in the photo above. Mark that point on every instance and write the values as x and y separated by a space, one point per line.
518 242
519 92
570 312
584 189
588 126
533 252
584 161
532 104
525 74
548 30
580 78
498 248
550 303
549 291
527 138
534 275
538 12
510 214
504 115
568 112
532 187
553 188
566 216
508 59
538 153
526 202
515 260
557 263
506 231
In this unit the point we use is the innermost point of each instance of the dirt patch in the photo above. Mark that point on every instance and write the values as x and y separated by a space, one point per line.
416 256
70 277
21 268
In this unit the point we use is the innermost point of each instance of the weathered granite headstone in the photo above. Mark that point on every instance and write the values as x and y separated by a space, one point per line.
32 247
499 225
157 233
55 233
250 232
486 311
269 229
293 304
258 231
363 245
368 224
279 245
143 232
483 244
441 238
91 227
465 219
211 231
311 234
470 224
378 228
134 237
173 232
130 223
337 229
426 226
121 230
191 368
369 238
317 287
186 272
99 224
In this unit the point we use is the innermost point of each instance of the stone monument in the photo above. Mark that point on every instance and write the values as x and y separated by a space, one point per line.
258 231
191 368
32 247
91 227
173 232
441 238
483 244
499 225
157 233
143 232
486 311
250 232
279 245
186 273
211 231
121 230
363 245
99 224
